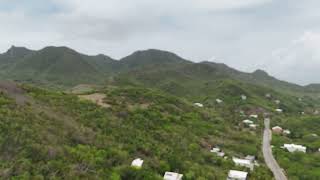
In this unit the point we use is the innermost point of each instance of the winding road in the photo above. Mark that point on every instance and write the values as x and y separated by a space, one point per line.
267 153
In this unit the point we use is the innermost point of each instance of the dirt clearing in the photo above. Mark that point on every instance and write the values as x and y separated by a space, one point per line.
96 98
14 91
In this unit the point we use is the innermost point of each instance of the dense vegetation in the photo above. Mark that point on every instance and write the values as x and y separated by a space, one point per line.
56 135
305 130
149 113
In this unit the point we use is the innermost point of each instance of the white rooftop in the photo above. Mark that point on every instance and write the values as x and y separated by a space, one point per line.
198 104
295 147
247 121
215 150
237 175
172 176
286 131
221 154
277 127
253 125
137 163
219 101
243 162
253 116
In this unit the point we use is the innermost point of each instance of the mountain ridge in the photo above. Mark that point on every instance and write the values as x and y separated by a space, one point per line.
98 68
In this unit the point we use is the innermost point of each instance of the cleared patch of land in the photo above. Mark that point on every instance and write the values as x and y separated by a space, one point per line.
82 88
14 91
97 98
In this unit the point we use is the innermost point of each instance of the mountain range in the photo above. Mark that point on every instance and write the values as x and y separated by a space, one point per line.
65 67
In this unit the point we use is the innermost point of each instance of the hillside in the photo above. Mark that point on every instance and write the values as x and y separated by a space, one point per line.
64 67
51 134
56 135
54 65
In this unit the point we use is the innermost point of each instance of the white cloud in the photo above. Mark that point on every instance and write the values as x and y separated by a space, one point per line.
299 61
240 33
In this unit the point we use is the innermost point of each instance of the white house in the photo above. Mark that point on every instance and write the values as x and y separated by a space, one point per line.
219 101
198 104
221 154
286 132
247 121
254 116
243 97
277 129
253 126
295 148
268 95
237 175
243 162
277 101
137 163
172 176
279 110
250 158
215 150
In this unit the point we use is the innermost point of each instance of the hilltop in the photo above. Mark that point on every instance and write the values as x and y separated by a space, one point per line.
64 67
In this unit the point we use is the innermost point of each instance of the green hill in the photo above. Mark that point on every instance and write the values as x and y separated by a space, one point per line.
56 135
54 65
65 67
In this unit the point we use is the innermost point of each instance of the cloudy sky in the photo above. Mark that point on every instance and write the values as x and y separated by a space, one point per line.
279 36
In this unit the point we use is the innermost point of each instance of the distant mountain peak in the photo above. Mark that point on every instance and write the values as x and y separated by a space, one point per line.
260 72
151 57
15 51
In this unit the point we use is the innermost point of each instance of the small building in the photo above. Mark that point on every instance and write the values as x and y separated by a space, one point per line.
243 163
247 121
279 110
219 101
198 105
277 101
221 154
250 158
137 163
277 130
243 97
254 116
215 150
253 126
295 148
172 176
286 132
268 95
237 175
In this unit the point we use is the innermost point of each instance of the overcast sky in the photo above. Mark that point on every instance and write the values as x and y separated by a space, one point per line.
279 36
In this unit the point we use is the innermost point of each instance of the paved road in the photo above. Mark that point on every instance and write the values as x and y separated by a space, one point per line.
267 153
